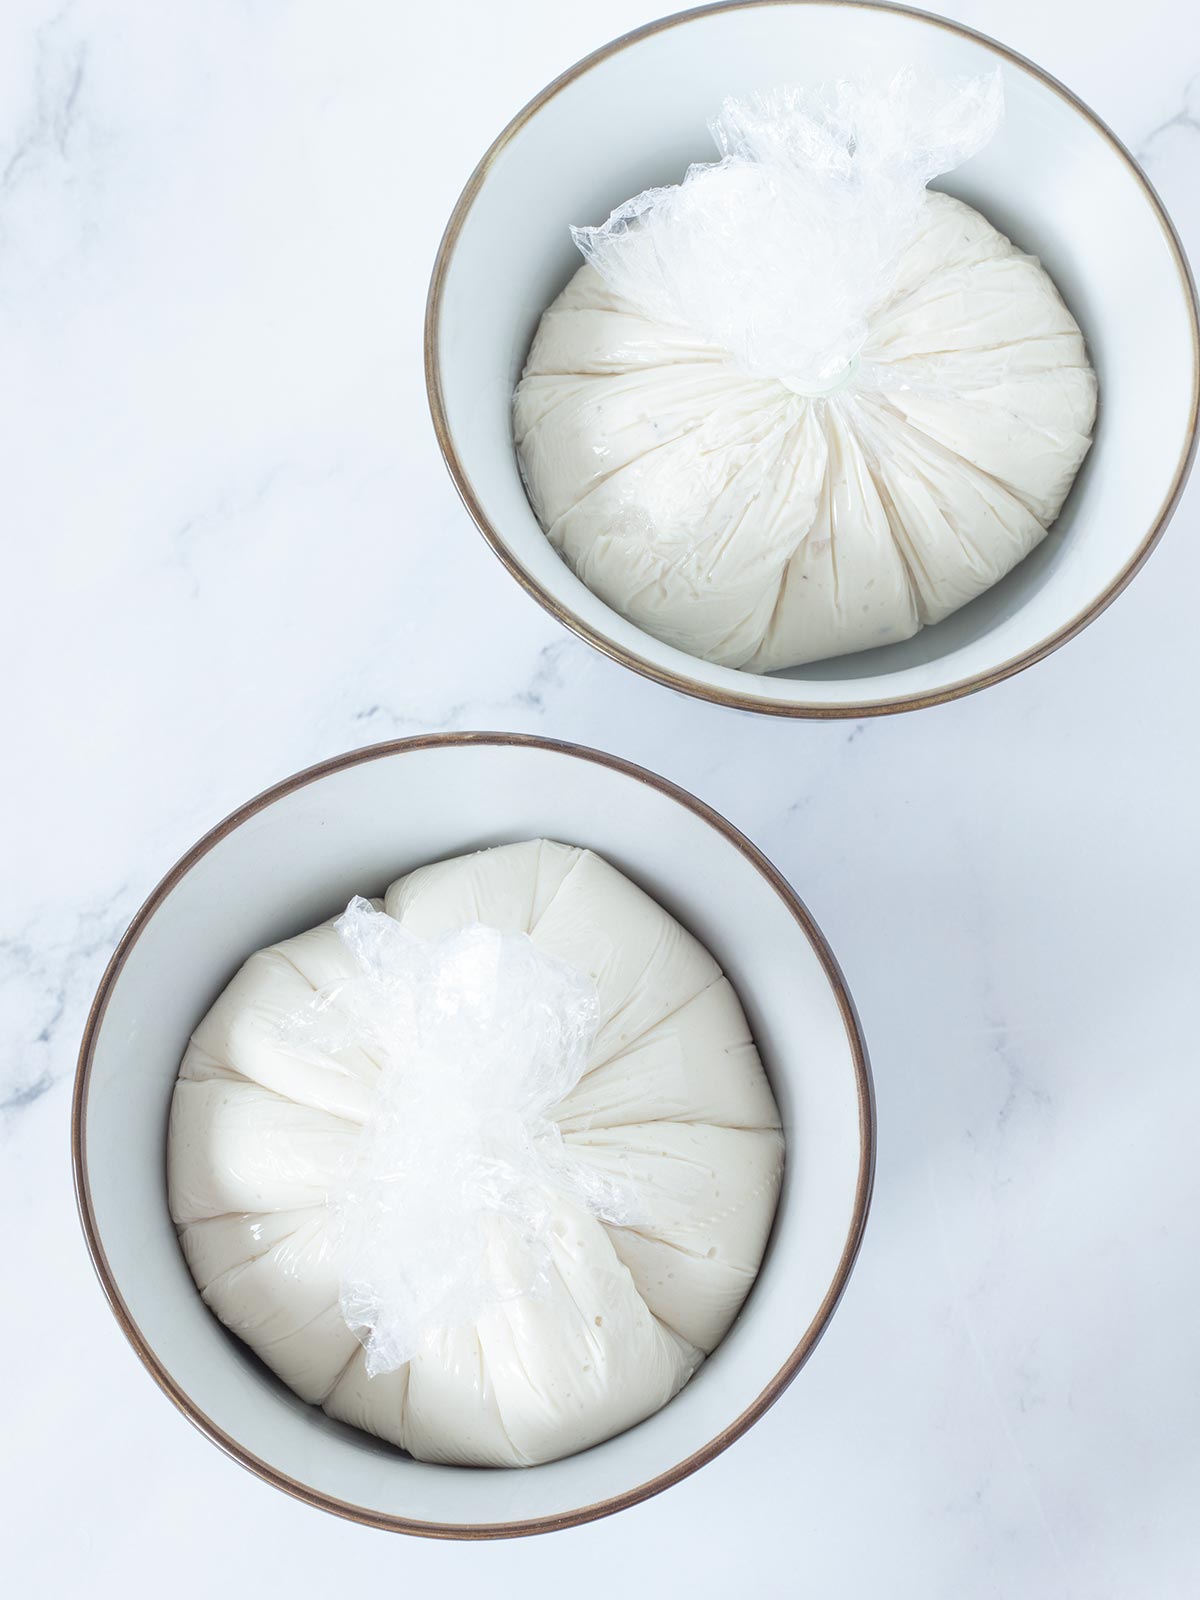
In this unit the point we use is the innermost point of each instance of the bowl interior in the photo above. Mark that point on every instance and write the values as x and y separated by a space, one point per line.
297 860
1052 179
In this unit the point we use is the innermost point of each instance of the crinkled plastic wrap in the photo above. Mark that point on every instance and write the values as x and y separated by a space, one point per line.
532 1251
778 252
798 404
447 1205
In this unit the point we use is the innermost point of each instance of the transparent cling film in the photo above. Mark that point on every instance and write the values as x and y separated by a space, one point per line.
778 252
446 1200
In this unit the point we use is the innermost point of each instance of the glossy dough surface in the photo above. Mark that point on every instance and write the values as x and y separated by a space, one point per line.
744 523
674 1089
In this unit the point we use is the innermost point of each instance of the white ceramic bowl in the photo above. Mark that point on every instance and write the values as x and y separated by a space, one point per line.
1054 178
294 856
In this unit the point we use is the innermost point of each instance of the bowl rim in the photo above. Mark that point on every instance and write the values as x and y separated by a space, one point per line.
748 700
774 1388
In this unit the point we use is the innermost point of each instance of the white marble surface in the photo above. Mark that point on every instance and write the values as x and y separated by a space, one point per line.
232 550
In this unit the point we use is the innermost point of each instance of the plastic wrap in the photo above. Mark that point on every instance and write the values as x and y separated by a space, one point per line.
778 252
447 1204
800 405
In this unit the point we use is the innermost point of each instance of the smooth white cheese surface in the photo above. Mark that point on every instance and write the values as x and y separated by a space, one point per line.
755 527
674 1093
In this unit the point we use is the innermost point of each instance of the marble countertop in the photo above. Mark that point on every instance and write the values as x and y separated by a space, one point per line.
216 228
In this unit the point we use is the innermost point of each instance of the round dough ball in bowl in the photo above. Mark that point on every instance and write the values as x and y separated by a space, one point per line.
759 528
293 858
1089 216
672 1111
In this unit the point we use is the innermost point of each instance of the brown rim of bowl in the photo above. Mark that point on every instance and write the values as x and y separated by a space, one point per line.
747 700
862 1193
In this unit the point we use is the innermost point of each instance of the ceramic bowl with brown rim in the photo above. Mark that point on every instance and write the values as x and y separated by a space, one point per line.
1054 178
294 856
